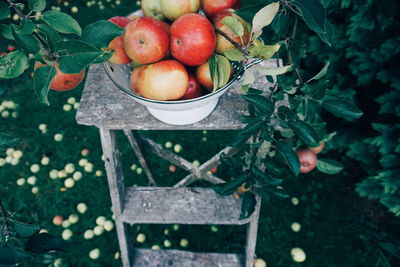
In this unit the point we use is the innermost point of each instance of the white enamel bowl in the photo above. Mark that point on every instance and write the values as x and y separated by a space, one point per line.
177 112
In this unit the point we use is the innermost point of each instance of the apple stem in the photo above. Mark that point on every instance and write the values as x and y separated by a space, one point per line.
237 46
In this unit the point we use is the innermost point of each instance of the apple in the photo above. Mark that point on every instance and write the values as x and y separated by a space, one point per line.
64 81
58 220
318 148
192 39
152 8
203 76
174 9
212 7
308 160
194 89
145 40
164 80
222 42
134 78
119 56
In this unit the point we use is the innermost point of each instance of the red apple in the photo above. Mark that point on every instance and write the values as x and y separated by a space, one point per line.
318 148
174 9
120 21
308 160
164 80
203 76
58 220
222 43
119 56
212 7
192 39
194 88
64 81
146 40
134 78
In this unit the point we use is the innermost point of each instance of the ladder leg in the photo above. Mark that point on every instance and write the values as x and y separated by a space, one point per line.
117 190
252 234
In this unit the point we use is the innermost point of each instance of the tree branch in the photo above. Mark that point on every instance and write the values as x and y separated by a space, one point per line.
5 216
237 46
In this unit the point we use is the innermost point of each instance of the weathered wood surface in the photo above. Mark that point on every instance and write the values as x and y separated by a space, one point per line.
179 258
251 239
117 189
167 205
105 106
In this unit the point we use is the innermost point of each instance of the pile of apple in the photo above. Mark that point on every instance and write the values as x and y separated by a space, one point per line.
170 46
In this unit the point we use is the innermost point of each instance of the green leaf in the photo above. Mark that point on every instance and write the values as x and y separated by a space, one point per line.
42 243
7 141
101 33
273 167
75 55
37 5
252 127
342 108
266 178
273 71
212 64
233 54
321 73
5 31
313 14
305 132
224 70
263 104
13 64
329 33
263 18
4 10
26 26
329 166
230 187
234 25
10 255
290 157
27 42
43 77
50 36
248 78
264 51
248 205
247 12
311 108
316 90
23 229
62 22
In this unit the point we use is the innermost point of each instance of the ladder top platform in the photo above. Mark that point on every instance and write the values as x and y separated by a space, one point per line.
182 205
104 105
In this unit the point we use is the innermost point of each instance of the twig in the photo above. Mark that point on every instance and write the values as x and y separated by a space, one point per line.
290 58
5 216
237 46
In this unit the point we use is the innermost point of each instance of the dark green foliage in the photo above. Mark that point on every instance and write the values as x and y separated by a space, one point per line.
364 65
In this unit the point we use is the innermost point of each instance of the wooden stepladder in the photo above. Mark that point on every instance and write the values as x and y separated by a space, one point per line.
103 105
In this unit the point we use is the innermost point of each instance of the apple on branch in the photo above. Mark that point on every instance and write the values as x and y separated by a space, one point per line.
146 40
63 81
308 160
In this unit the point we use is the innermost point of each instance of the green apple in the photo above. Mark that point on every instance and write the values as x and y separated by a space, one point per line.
173 9
152 8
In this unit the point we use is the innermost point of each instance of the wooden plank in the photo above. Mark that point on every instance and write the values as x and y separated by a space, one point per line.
105 106
251 239
179 258
167 205
116 185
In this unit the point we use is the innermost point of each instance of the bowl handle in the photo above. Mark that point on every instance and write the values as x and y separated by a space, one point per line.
253 62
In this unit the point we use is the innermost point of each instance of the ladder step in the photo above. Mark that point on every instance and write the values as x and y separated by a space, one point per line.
183 205
180 258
